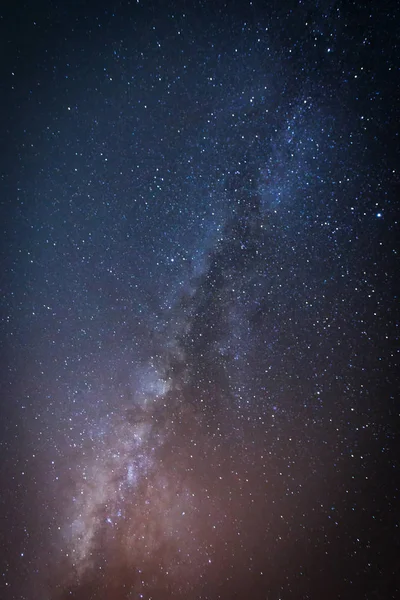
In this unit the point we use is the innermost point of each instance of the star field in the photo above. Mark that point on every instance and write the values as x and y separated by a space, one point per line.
199 308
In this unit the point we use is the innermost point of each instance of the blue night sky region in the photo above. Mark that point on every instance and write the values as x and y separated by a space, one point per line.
199 300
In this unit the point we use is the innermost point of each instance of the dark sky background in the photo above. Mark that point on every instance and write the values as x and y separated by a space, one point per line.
199 311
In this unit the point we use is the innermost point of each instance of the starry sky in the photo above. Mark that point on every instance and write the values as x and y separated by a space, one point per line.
199 316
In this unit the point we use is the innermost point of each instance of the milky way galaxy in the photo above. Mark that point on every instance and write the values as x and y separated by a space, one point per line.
198 308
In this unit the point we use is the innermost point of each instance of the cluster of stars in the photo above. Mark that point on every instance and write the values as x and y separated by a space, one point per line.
199 307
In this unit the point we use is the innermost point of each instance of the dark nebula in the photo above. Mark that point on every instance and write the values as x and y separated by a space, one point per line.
199 301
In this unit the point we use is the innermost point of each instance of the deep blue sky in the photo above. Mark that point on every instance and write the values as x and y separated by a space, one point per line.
199 304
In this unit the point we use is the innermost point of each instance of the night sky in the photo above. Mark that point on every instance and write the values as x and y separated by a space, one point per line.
199 315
